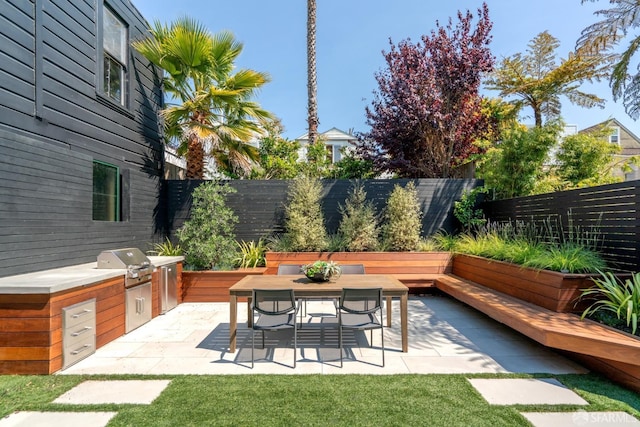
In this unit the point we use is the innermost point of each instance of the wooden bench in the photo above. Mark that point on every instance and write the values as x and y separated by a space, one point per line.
616 353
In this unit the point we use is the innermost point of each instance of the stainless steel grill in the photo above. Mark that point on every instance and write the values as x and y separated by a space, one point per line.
136 263
137 281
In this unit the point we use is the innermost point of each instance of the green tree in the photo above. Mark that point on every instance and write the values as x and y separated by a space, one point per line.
214 115
278 157
402 219
352 166
537 81
587 159
207 238
603 36
318 163
513 166
304 221
358 225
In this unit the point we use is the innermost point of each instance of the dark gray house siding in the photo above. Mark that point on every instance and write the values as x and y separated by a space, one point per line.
54 124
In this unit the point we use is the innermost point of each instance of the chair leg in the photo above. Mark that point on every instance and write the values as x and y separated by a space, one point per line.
382 340
263 339
253 344
340 336
295 344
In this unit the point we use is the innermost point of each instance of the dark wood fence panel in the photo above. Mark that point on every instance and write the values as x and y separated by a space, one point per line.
612 209
260 204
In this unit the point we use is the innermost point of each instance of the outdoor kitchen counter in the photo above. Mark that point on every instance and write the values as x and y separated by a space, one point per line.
65 278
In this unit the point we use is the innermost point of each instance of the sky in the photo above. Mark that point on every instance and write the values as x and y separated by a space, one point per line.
351 36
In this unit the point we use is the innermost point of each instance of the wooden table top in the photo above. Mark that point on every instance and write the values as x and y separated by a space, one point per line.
303 286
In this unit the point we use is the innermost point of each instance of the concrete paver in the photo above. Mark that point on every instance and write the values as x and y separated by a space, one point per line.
118 391
580 418
525 391
48 419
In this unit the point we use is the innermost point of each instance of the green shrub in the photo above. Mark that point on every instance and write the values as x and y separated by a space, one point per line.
359 225
617 297
304 222
568 258
465 209
207 237
401 231
251 254
166 248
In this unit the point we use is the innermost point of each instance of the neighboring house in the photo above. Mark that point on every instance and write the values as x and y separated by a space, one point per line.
334 139
627 140
81 158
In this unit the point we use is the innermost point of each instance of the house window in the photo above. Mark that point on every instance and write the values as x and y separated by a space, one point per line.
614 138
114 56
106 192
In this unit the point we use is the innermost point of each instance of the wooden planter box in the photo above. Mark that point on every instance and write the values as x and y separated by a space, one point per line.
417 270
549 289
212 286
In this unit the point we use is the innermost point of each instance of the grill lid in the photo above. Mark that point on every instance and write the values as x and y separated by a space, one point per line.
123 258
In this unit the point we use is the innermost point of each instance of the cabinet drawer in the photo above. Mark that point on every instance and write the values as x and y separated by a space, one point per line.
79 351
79 313
78 331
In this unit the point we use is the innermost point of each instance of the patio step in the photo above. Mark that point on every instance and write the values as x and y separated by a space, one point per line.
563 331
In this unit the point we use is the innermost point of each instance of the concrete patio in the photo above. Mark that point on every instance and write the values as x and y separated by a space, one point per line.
445 336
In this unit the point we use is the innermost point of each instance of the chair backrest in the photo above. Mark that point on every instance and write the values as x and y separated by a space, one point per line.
361 300
274 301
352 269
289 269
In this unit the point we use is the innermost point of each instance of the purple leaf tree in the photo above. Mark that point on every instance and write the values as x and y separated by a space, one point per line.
426 112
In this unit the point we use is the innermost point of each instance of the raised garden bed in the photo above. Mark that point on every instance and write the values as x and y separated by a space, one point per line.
549 289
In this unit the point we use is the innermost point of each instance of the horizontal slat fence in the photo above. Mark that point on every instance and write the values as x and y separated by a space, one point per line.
611 209
260 204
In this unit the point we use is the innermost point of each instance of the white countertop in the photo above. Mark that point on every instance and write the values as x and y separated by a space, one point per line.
62 279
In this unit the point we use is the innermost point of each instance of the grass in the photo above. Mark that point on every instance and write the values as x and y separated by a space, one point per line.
313 400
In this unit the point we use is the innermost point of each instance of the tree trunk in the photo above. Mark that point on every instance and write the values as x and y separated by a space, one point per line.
195 158
312 84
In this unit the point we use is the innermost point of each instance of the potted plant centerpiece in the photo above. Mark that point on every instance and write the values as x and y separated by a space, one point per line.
321 271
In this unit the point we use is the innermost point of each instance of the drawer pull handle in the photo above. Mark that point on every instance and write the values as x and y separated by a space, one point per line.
82 313
81 331
81 349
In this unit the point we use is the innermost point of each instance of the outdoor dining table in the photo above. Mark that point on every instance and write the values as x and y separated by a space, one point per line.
304 288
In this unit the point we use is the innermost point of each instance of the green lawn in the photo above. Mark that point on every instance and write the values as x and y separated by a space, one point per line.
275 400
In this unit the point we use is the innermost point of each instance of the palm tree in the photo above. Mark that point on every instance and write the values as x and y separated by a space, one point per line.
604 35
312 81
213 115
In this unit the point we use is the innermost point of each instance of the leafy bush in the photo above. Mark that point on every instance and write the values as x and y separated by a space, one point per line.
465 209
359 225
304 222
252 254
167 248
207 237
567 258
617 297
401 231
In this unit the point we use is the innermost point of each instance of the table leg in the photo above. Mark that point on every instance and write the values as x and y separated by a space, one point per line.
233 322
249 313
389 300
404 321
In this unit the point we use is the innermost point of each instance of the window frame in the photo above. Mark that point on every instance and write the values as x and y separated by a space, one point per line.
118 192
103 55
615 133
